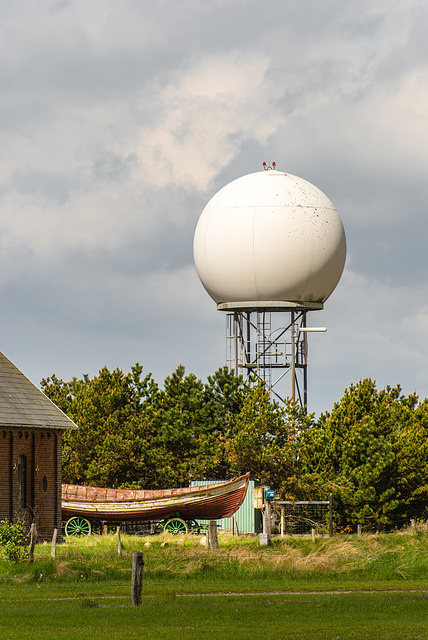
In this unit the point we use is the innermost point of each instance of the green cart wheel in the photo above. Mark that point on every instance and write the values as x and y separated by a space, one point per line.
194 526
96 527
77 526
176 526
159 526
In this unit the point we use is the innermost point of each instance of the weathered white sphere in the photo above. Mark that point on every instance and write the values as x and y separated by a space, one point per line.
269 236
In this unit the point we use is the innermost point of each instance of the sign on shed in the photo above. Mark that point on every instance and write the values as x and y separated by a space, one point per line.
258 497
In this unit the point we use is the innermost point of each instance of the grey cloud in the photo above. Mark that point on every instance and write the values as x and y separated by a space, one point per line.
112 167
49 184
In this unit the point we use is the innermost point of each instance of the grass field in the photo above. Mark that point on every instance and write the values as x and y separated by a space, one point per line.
344 587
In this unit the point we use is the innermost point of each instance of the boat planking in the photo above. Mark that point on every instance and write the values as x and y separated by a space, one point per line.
208 502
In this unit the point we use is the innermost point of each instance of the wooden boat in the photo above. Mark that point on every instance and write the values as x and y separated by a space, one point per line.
211 501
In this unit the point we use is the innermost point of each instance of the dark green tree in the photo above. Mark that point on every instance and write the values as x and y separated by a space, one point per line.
180 422
412 461
264 439
358 451
132 433
367 476
371 450
111 446
225 396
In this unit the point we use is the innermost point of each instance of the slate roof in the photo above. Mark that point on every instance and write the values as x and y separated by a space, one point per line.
22 404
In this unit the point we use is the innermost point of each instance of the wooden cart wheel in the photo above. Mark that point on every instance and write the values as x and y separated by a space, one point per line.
77 526
176 526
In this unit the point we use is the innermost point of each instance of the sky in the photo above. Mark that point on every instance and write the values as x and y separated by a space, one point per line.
120 120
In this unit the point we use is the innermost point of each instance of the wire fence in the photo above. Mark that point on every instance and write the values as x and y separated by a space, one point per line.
302 517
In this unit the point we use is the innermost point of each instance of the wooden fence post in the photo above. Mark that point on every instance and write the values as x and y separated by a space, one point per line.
137 577
358 531
413 524
313 534
119 543
282 521
235 529
53 547
267 524
330 515
33 540
265 537
212 535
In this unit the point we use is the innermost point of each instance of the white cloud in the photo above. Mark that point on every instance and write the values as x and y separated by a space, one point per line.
202 119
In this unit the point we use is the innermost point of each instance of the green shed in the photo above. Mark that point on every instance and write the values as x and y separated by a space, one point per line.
248 519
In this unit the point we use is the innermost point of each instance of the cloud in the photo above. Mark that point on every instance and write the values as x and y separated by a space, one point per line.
202 119
120 121
375 329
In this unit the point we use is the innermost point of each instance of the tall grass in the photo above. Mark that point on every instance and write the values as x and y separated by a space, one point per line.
240 564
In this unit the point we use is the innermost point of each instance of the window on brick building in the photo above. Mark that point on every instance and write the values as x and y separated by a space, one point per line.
22 482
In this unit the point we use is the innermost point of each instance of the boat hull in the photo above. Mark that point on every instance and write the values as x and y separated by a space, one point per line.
210 502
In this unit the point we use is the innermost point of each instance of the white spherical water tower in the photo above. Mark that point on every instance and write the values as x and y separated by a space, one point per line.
268 248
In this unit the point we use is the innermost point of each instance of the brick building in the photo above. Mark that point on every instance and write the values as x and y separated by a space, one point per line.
31 429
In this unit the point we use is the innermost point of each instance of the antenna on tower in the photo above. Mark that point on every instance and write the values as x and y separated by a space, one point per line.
269 167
